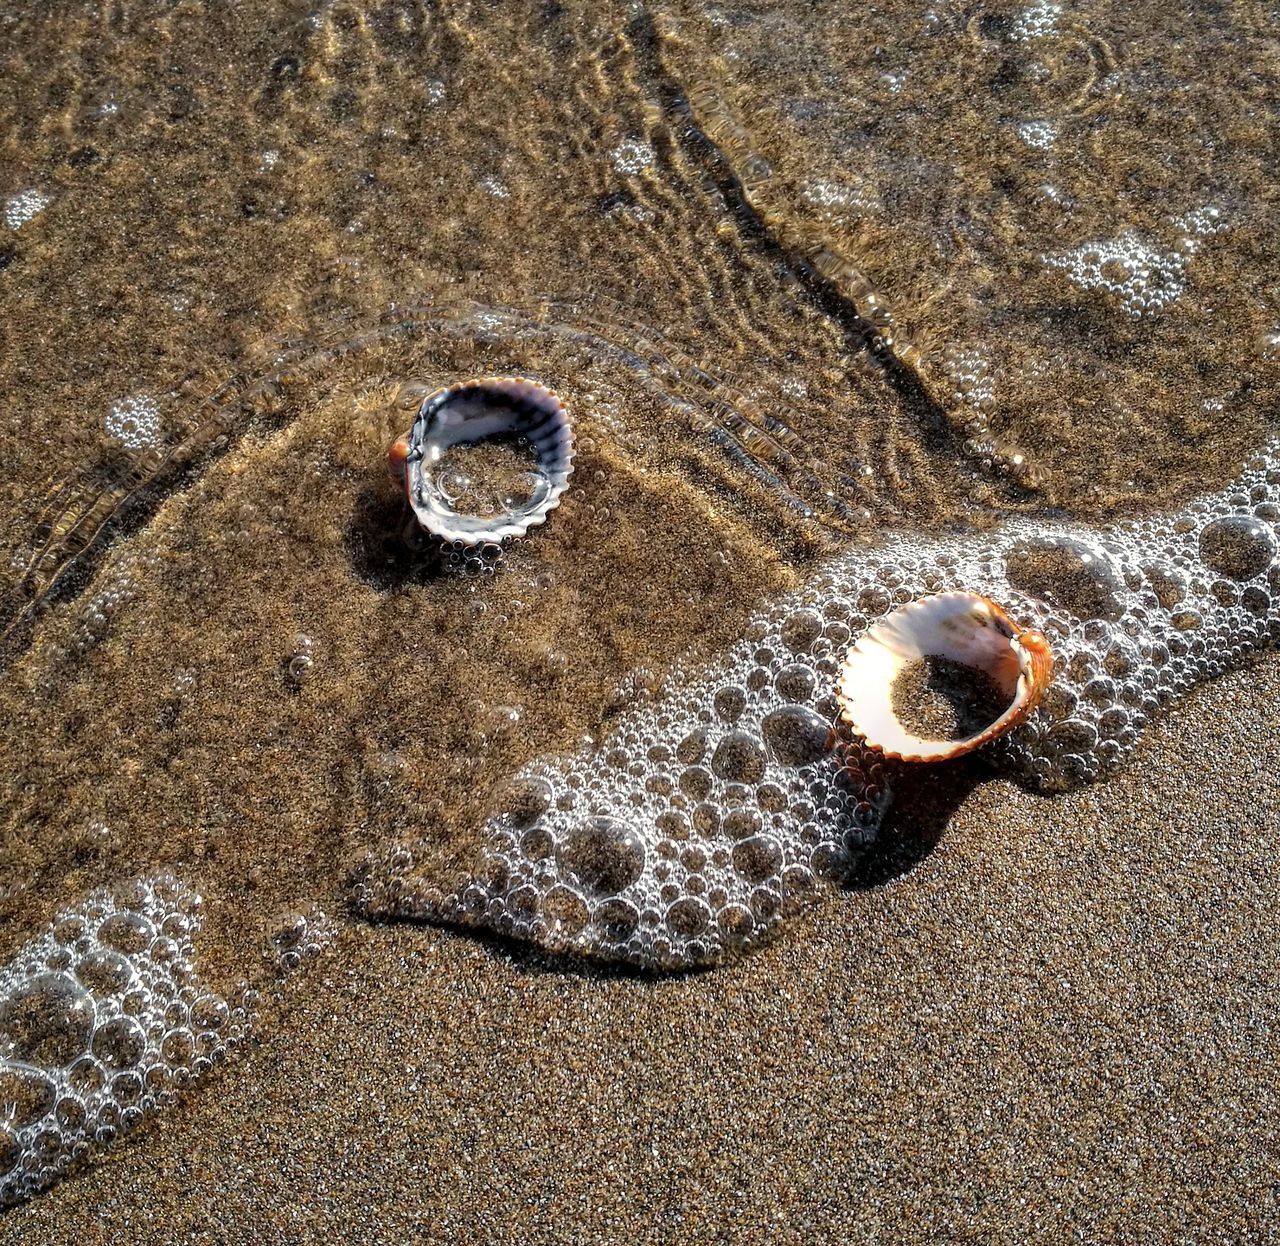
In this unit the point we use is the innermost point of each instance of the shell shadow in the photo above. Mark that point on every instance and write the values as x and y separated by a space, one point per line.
386 550
925 799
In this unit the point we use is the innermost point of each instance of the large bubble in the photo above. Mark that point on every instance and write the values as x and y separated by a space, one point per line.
1069 574
603 855
45 1020
1238 546
796 735
739 758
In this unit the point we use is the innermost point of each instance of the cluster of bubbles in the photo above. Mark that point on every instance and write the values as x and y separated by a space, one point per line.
1140 276
632 156
297 937
968 385
1037 135
716 805
971 377
1204 222
459 558
103 1020
491 184
93 623
134 422
835 200
20 208
1035 21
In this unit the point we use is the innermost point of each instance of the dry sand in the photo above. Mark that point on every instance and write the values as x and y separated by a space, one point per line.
1061 1024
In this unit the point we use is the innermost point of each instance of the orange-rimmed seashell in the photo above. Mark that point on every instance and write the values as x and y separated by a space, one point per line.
963 627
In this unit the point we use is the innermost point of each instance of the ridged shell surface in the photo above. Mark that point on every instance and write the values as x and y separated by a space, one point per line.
962 627
477 410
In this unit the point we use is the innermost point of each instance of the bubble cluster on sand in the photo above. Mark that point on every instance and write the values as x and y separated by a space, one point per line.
834 199
296 937
715 805
95 617
134 422
458 558
20 208
1035 21
1037 135
972 377
102 1021
632 156
1204 222
1139 275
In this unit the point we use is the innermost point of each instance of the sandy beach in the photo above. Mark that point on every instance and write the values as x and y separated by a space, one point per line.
813 291
1059 1025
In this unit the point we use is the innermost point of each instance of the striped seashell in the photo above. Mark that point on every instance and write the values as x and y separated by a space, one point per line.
963 627
476 410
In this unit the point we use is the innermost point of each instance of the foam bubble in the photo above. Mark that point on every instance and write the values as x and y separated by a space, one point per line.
632 156
134 422
1035 21
1067 572
718 804
1141 277
102 1020
1239 546
1037 135
20 208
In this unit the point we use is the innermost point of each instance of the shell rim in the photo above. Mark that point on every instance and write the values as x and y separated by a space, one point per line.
1035 670
503 528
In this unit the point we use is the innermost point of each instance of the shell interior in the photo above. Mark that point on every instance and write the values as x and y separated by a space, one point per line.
962 627
479 410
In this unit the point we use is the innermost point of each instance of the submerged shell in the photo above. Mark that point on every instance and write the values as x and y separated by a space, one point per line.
477 410
962 627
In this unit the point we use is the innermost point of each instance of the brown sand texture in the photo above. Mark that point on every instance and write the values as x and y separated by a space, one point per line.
1060 1023
808 280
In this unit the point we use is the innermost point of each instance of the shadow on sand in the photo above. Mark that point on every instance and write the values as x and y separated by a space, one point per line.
386 547
925 799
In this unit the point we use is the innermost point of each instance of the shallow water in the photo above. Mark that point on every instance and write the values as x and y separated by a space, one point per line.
952 297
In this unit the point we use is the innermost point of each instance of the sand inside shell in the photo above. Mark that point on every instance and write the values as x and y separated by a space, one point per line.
490 477
937 698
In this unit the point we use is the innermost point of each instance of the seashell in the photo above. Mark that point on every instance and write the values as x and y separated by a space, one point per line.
963 627
477 410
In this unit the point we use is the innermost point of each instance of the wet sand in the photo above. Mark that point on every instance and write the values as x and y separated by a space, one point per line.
1061 1021
251 234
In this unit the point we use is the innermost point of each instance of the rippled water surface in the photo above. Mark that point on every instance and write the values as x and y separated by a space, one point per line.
950 296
